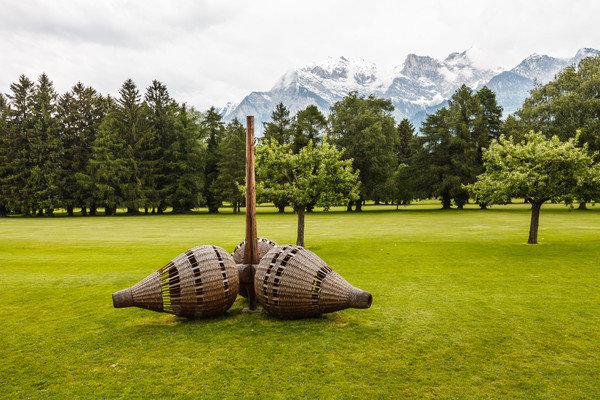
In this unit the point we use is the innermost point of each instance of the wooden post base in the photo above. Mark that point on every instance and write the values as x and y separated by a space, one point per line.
246 274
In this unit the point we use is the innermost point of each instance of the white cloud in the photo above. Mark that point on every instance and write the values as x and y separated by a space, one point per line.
211 52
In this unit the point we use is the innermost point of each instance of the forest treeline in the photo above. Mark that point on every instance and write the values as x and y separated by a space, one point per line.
82 150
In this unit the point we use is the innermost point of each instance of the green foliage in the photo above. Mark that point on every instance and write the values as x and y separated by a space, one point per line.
448 154
162 115
279 128
213 130
30 173
401 185
565 106
80 111
316 175
568 104
107 165
232 164
308 125
406 134
365 128
81 150
125 152
4 155
185 161
537 169
17 147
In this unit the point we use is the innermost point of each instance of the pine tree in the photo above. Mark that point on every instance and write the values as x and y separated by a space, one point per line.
309 125
280 126
163 114
185 162
406 133
232 164
108 165
213 129
4 155
431 161
365 128
18 157
46 173
448 153
130 117
81 111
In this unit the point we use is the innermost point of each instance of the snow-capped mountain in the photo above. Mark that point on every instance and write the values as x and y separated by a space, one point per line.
419 86
512 87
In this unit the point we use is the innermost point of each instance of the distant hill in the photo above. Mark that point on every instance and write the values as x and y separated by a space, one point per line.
419 86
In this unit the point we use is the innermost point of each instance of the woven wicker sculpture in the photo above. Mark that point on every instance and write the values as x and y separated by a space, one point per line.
292 282
289 281
264 245
202 282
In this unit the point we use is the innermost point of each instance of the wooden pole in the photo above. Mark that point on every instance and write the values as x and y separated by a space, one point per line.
251 252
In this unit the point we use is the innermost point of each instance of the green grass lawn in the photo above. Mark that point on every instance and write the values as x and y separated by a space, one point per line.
462 308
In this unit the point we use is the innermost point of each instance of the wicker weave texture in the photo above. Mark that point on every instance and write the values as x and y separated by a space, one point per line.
202 282
264 245
292 282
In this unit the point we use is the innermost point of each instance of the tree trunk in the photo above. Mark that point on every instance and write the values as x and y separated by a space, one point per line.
583 206
70 211
349 206
446 202
300 238
535 221
83 211
281 209
92 210
483 206
358 206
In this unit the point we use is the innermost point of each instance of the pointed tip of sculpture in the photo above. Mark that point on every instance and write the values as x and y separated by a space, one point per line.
123 298
360 298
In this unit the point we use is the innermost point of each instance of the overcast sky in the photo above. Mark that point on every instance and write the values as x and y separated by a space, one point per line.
212 52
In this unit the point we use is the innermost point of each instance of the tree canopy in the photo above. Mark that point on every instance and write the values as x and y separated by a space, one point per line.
447 154
537 169
365 128
315 175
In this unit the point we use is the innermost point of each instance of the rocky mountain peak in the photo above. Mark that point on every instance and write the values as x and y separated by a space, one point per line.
420 86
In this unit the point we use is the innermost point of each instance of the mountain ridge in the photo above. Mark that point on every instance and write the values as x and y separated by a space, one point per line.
421 85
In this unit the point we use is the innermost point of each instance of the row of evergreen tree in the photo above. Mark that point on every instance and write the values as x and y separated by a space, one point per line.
84 150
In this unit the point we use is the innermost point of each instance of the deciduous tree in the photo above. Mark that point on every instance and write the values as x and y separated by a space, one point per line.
537 169
317 174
